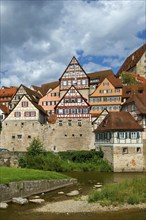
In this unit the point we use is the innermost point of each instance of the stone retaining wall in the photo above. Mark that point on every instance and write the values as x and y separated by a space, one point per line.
28 188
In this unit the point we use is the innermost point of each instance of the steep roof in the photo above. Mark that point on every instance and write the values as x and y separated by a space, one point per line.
34 96
72 62
4 109
132 60
8 92
119 121
73 96
116 82
100 74
130 89
139 100
45 87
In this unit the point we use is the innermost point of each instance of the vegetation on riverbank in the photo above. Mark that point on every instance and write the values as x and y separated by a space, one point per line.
130 191
16 174
37 158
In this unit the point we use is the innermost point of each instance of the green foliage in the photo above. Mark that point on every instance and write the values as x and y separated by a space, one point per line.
81 156
16 174
35 148
131 192
37 158
128 79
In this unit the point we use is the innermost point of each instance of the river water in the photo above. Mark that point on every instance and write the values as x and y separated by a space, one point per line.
86 181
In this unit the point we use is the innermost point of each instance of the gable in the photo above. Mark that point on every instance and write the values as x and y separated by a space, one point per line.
74 75
72 98
23 110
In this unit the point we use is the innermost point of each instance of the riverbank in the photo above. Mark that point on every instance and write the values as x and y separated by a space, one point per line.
82 206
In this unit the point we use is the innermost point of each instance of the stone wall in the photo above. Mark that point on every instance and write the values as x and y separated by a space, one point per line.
16 136
28 188
127 162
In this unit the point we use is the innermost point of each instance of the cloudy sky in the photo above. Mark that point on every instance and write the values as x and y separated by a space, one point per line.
38 38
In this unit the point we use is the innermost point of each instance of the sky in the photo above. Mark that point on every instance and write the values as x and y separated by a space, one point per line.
38 38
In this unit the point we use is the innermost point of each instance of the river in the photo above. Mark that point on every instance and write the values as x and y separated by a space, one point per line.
86 181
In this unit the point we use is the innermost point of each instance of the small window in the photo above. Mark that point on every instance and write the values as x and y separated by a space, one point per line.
73 135
13 136
125 150
69 123
81 135
19 136
138 150
60 122
79 123
29 136
65 135
25 104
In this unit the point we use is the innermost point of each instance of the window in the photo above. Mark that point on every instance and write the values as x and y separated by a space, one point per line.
64 83
125 150
79 123
138 150
105 83
30 114
60 111
29 136
13 136
83 82
25 104
60 122
134 135
121 135
19 136
85 110
69 123
17 114
117 90
66 111
80 135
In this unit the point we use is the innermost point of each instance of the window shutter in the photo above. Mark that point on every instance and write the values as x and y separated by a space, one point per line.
34 113
22 104
24 114
138 135
14 114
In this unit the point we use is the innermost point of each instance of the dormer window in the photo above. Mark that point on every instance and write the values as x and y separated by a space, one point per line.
25 104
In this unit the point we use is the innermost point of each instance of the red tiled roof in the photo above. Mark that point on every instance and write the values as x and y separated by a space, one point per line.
120 121
139 100
45 87
132 60
130 89
8 92
100 74
4 109
116 82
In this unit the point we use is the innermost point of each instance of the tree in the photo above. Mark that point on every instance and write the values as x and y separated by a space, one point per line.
128 79
35 148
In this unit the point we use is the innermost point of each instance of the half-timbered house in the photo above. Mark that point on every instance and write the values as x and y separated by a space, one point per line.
75 75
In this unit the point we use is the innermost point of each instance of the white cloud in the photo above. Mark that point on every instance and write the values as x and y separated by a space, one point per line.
40 39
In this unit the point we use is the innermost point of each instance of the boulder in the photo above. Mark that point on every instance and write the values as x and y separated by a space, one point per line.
73 193
3 205
20 200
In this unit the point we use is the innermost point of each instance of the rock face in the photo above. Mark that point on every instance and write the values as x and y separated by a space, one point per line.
3 205
20 200
73 193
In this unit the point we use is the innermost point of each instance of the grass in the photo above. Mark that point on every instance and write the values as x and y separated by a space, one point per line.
130 191
18 174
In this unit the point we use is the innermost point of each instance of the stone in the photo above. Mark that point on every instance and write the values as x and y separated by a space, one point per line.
60 193
98 186
73 193
3 205
20 200
38 201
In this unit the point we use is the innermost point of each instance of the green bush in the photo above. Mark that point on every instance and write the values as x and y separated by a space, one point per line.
37 158
130 191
